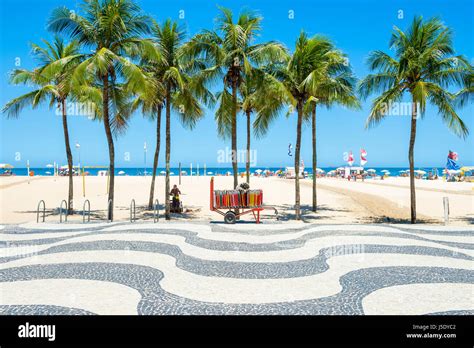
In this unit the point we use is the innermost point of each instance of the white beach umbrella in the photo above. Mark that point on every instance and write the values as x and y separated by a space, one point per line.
48 173
49 166
419 171
319 170
258 171
371 170
340 168
228 173
121 172
210 173
171 173
162 172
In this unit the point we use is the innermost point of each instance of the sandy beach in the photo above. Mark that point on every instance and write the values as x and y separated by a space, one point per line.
339 201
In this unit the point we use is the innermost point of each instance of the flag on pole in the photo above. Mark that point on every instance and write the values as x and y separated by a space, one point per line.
451 163
363 157
350 158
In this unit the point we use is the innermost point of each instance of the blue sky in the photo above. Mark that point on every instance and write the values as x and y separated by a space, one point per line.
356 27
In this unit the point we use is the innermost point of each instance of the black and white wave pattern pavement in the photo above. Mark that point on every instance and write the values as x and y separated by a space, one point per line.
190 268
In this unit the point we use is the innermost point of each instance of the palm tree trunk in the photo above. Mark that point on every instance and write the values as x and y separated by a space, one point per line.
247 163
110 143
315 197
168 147
155 159
234 134
412 163
69 158
297 160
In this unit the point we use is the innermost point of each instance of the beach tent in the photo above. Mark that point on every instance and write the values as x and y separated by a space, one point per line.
290 172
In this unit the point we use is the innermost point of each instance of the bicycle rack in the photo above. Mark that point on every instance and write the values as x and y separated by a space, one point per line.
109 211
88 211
156 212
61 211
37 210
132 203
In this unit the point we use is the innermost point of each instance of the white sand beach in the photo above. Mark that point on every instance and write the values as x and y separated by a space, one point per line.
339 201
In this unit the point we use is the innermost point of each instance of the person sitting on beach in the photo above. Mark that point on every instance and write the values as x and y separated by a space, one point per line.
175 192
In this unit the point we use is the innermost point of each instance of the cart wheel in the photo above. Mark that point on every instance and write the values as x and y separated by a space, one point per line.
229 217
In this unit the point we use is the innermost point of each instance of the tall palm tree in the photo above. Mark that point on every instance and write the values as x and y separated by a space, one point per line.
231 53
249 104
152 108
52 80
331 82
111 29
296 83
183 85
424 67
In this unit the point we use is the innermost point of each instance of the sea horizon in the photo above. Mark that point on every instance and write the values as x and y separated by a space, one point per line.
138 171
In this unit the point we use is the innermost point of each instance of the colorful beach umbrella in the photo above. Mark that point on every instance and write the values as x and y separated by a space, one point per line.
5 166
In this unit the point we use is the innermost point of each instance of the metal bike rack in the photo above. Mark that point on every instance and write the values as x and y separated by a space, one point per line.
37 210
109 211
88 211
156 212
132 204
61 211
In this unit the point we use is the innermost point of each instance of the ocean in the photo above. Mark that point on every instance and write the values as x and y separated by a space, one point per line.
394 171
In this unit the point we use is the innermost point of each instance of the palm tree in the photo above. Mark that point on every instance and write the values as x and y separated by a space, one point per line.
112 29
53 82
183 85
232 54
423 66
331 82
249 104
299 82
152 108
